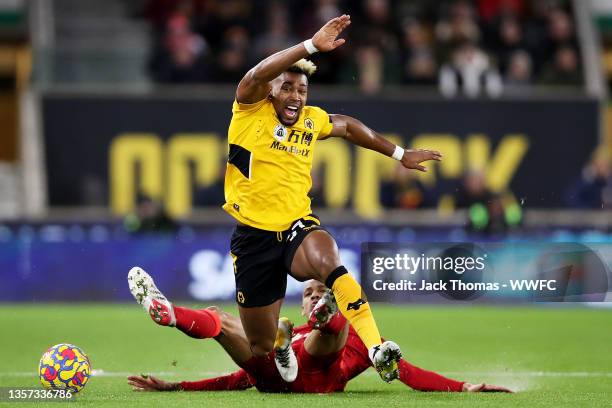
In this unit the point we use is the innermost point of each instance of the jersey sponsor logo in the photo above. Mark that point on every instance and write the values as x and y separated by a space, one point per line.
300 137
290 149
308 123
356 304
280 133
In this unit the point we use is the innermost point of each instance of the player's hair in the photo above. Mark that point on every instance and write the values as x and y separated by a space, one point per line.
303 66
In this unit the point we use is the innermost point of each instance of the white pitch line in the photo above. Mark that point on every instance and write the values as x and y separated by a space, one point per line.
575 374
530 373
517 374
102 373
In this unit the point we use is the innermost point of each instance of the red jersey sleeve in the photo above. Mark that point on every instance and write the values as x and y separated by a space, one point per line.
423 380
236 381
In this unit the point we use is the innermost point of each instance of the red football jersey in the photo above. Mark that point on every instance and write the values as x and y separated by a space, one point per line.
327 373
321 374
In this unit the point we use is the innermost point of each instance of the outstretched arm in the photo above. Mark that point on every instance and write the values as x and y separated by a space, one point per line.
255 85
482 387
359 134
424 380
236 381
145 382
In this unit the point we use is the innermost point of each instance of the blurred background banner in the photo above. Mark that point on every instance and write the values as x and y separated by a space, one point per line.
72 263
174 150
76 263
114 121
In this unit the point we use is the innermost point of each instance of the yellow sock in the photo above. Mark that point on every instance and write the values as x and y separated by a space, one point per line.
353 304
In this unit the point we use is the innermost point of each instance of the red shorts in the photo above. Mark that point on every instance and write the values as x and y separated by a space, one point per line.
330 373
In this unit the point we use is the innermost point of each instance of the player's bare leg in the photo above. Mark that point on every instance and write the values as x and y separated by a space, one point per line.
232 337
317 258
260 325
266 332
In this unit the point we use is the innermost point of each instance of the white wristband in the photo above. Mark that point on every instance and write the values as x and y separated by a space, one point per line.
310 48
398 154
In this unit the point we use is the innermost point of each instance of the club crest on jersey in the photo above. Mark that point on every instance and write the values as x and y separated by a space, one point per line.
309 123
280 133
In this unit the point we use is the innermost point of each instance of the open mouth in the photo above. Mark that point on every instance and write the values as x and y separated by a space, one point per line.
291 111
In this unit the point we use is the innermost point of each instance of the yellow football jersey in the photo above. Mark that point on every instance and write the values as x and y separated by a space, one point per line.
268 172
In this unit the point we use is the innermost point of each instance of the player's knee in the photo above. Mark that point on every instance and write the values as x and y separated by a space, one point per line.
224 317
261 348
214 309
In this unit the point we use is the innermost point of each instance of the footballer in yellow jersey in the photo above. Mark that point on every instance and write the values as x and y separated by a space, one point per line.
268 177
272 140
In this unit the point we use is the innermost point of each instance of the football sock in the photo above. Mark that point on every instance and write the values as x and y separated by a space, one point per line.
335 325
423 380
354 305
199 324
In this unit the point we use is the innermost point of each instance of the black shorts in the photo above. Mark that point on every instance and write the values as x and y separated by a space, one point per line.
262 259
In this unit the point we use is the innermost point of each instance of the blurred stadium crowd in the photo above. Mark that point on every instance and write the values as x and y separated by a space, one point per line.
532 50
461 46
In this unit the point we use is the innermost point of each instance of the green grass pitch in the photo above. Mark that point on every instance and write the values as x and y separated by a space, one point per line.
553 356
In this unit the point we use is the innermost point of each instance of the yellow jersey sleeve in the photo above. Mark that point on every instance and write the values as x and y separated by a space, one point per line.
323 121
239 108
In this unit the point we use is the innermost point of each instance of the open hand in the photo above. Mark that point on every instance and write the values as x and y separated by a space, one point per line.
413 158
325 39
467 387
149 383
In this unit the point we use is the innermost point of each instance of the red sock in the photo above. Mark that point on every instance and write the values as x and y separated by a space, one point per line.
199 324
335 324
423 380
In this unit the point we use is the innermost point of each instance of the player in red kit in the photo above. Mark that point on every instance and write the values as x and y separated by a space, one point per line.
328 350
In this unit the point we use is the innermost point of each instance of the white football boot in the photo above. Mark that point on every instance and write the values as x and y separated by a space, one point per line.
285 359
152 300
385 357
323 311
